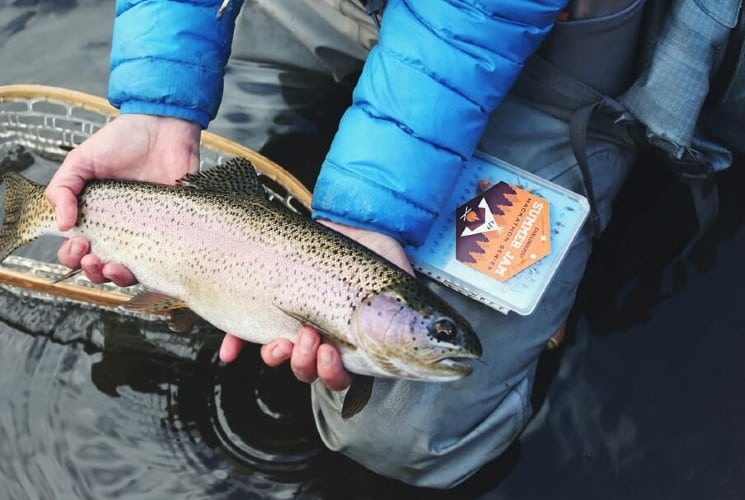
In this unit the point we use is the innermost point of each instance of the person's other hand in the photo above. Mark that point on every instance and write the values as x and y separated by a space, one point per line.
311 359
135 147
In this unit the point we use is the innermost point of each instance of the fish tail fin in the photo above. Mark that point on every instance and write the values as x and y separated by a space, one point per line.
27 213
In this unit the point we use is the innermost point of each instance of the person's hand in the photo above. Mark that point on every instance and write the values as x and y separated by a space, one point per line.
311 359
135 147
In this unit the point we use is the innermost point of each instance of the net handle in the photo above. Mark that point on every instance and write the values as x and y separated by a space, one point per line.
209 140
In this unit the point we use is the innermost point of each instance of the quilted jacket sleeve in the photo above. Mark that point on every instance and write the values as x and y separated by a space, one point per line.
168 57
420 107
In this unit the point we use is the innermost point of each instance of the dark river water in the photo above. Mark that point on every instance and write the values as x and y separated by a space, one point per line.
643 400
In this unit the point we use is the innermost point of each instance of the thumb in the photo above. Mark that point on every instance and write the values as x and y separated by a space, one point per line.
63 189
65 205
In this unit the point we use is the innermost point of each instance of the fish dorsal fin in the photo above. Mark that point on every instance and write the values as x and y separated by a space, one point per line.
234 176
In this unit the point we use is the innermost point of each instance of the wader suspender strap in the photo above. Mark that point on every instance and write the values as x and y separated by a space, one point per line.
578 138
543 82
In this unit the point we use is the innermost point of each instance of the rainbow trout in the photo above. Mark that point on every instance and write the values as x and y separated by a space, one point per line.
217 245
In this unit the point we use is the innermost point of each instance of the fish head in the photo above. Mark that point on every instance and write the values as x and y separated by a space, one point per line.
409 332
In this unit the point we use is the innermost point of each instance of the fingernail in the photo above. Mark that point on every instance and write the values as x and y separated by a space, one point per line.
60 218
306 344
325 357
278 352
222 355
76 249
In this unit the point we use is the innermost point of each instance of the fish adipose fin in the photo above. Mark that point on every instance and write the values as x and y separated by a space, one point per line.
234 176
357 396
27 213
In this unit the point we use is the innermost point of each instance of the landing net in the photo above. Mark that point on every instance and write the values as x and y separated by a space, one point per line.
50 122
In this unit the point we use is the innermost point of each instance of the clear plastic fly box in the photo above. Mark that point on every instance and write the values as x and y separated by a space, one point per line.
502 235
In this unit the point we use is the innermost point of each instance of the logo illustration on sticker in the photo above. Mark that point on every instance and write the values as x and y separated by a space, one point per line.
502 231
484 216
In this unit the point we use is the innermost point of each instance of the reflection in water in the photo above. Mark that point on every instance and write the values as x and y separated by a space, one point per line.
100 405
115 405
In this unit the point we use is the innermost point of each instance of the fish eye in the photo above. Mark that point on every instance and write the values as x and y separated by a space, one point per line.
443 329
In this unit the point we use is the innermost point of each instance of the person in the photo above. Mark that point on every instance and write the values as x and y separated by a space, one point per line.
434 86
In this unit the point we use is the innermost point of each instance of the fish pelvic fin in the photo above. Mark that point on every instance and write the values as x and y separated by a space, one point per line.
28 214
180 318
357 396
154 302
236 176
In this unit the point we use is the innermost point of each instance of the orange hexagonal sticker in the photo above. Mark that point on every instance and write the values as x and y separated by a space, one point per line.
503 231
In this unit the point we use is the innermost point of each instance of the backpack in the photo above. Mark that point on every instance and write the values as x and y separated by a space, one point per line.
687 99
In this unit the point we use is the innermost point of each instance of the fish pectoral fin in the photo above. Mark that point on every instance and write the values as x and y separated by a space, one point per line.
304 321
297 317
154 302
357 396
334 339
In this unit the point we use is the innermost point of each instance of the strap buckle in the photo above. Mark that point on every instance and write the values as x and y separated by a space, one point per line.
686 163
374 8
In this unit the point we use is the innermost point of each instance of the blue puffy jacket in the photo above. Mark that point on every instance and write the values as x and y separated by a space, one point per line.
419 108
168 57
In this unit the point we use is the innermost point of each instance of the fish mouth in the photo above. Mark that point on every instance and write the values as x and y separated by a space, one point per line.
455 365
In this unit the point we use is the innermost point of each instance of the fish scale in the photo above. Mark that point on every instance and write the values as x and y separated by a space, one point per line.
216 244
